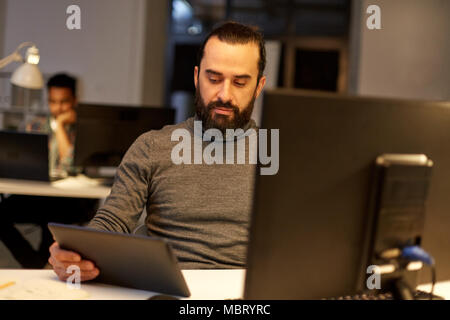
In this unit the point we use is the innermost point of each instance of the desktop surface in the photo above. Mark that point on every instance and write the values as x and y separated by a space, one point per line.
203 284
72 187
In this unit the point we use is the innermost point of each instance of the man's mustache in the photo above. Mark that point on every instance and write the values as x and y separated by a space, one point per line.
225 105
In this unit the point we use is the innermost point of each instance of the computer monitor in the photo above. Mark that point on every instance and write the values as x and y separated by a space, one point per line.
24 155
310 221
105 132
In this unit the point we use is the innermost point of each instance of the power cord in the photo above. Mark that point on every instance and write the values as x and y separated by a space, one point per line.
416 253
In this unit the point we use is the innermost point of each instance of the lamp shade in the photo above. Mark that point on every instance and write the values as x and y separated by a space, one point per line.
28 76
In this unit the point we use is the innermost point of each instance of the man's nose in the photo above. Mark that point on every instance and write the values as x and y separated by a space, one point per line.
225 94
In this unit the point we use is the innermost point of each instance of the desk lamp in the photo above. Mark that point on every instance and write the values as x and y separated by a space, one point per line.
28 74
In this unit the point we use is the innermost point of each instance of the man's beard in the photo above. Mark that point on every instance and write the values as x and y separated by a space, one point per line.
211 119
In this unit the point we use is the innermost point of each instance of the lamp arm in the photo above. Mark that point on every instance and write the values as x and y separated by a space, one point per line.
11 58
15 56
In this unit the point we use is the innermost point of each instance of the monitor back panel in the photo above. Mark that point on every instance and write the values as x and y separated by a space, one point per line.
104 133
307 238
24 156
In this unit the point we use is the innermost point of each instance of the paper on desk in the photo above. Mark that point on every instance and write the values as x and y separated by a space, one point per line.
40 289
4 283
75 182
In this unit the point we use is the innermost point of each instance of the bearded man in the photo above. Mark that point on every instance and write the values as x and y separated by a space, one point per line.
202 210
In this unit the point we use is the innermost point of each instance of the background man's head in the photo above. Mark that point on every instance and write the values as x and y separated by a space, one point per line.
229 76
62 93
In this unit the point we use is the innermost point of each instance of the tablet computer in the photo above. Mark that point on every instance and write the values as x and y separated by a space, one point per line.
132 261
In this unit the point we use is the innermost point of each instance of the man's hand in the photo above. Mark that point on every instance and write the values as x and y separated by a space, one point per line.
62 259
67 117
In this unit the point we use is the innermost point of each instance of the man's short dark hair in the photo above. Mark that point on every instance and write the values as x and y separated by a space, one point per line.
63 80
237 33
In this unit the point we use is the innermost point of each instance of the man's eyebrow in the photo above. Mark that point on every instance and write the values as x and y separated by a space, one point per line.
213 72
241 76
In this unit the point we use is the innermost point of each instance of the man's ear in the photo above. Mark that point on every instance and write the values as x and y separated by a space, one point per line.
261 84
196 76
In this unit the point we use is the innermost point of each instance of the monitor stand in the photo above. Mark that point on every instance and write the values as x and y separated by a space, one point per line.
402 291
105 175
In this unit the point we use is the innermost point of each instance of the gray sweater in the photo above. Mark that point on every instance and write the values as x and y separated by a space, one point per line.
202 210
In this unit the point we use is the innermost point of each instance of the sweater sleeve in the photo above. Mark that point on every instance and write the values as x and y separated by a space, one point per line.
129 193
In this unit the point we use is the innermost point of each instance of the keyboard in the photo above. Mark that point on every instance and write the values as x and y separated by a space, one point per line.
418 295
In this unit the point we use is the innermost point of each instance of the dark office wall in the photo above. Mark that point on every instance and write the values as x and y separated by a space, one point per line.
107 54
409 56
157 15
354 46
3 101
2 26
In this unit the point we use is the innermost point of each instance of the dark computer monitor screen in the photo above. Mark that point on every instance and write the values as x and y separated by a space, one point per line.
310 221
105 132
24 155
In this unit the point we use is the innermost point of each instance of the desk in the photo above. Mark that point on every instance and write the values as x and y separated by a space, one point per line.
73 187
203 284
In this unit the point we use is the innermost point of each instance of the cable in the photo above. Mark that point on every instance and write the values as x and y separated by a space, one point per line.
416 253
433 280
